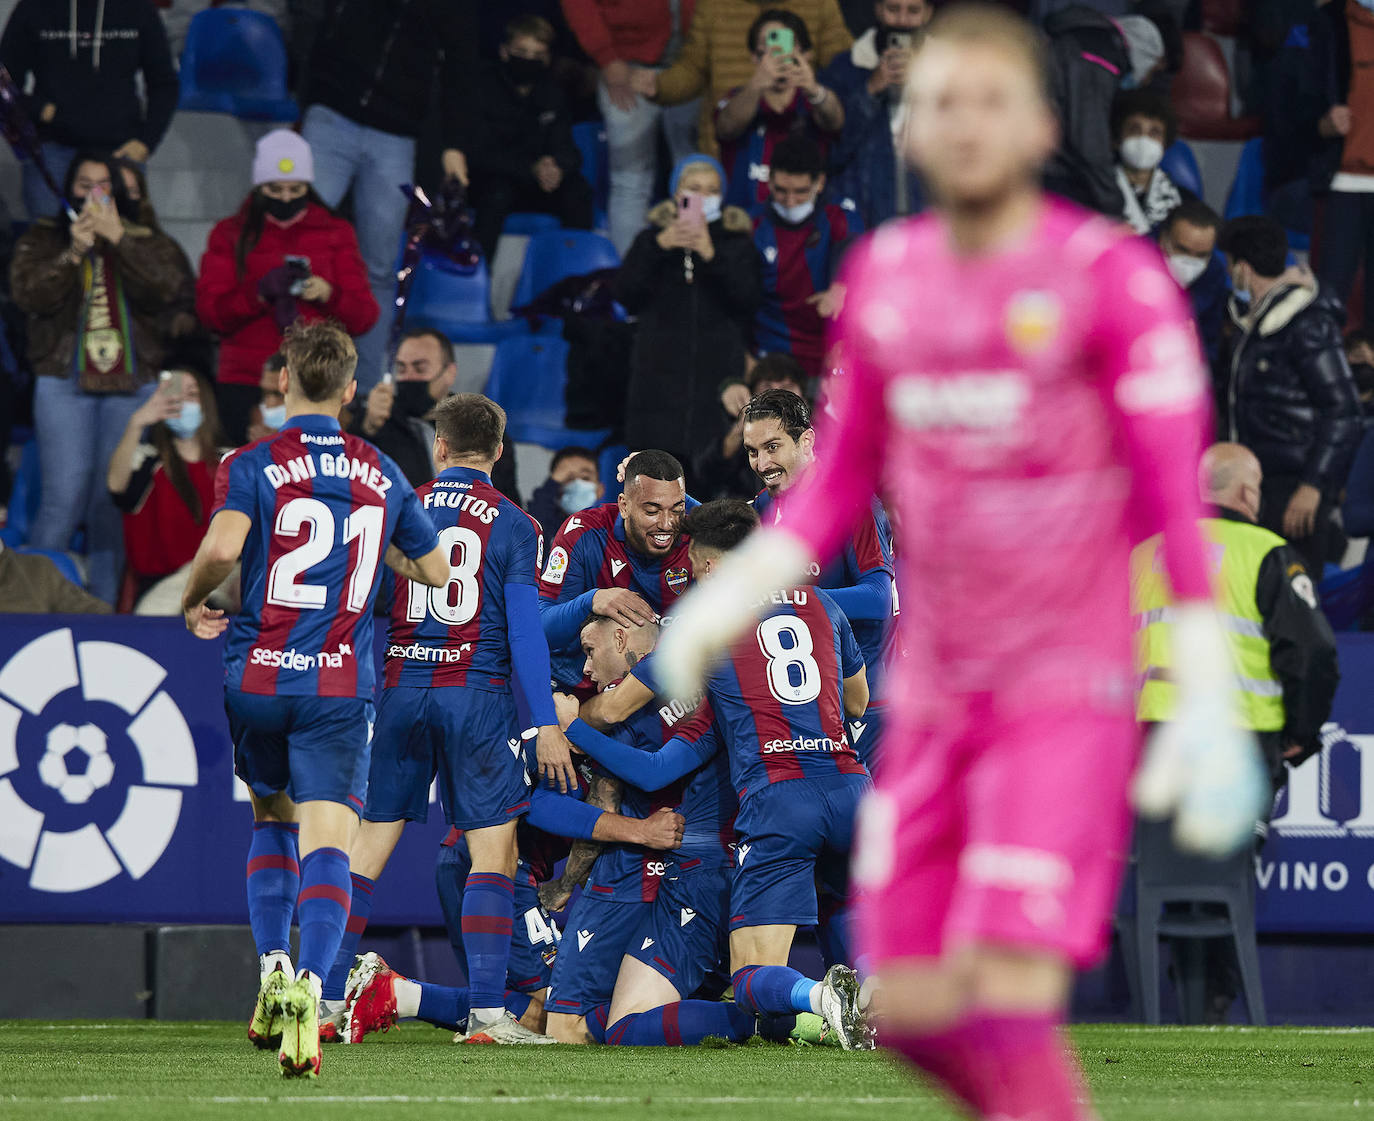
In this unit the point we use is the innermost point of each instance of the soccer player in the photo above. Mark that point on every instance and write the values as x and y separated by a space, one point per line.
625 560
681 936
456 659
313 513
1023 377
780 698
780 443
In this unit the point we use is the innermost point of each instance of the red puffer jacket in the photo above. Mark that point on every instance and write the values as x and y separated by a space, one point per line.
228 303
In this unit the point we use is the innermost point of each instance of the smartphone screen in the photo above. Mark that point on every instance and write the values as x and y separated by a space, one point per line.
690 209
169 383
780 40
302 263
899 40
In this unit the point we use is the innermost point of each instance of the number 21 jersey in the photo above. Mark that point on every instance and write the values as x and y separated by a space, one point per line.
324 507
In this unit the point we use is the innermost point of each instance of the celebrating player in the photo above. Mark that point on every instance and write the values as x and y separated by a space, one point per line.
312 512
1023 379
456 658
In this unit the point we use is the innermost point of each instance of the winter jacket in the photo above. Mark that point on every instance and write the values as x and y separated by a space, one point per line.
716 59
151 267
512 132
1291 398
690 335
625 30
374 63
229 304
1088 57
864 166
1357 511
84 56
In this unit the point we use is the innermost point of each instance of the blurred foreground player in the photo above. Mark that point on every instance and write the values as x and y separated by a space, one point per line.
313 513
1023 382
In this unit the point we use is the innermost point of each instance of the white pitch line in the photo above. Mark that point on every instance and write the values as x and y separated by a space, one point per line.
454 1099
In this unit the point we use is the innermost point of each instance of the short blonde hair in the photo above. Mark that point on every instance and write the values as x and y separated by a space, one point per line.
976 21
321 358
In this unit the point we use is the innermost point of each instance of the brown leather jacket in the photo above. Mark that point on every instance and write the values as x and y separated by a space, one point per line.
48 288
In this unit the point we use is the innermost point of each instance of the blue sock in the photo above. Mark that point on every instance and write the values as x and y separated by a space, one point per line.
832 934
596 1022
274 876
442 1006
772 988
684 1024
517 1004
359 910
324 901
488 907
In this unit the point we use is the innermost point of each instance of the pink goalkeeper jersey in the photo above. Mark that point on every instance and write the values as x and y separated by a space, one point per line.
1026 414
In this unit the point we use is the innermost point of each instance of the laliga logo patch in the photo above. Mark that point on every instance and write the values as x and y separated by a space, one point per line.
1033 321
557 567
87 785
677 579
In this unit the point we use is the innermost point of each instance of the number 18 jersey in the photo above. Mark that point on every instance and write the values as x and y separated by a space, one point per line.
324 507
457 634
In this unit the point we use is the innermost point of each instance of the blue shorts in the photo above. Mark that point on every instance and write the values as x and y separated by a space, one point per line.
533 937
866 734
685 935
468 737
597 936
786 834
314 748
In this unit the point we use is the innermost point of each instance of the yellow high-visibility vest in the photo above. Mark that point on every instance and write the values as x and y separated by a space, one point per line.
1236 551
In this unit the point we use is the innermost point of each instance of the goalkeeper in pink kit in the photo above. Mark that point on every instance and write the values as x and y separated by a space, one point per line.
1023 387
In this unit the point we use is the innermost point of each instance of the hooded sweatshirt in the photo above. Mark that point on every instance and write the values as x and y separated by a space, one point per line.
84 55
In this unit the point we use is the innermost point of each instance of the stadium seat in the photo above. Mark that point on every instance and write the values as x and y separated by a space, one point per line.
1247 194
528 223
528 379
456 301
552 256
1180 165
1202 94
235 62
1164 874
590 137
606 463
64 563
23 506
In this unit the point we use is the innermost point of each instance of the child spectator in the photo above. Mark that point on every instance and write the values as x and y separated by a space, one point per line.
1143 127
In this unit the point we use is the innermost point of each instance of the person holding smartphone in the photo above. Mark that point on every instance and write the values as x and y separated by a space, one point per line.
869 79
781 99
693 280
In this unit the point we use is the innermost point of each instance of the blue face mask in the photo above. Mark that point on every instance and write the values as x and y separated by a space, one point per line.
273 416
577 495
187 423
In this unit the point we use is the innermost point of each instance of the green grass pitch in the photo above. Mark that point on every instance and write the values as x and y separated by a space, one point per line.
79 1071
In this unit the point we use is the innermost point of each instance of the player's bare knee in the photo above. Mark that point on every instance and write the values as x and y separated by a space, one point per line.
923 998
568 1029
277 808
493 849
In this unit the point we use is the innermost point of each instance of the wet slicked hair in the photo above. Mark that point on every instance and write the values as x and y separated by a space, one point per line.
782 405
720 525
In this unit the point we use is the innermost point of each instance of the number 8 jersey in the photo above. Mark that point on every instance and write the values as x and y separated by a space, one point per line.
458 634
778 694
324 507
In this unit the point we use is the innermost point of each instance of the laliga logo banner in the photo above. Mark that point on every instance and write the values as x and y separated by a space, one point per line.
90 787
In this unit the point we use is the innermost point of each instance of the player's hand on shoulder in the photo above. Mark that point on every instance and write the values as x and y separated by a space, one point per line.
554 755
567 708
624 606
663 829
205 622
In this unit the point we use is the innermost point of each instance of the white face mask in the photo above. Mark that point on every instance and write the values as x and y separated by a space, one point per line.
794 214
1185 268
1141 153
710 208
273 416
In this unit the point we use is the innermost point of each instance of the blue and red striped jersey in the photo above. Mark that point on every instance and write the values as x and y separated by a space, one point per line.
458 634
324 506
869 549
749 156
590 552
798 262
705 798
778 694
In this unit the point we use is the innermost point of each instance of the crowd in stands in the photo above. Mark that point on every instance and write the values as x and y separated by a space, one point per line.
747 144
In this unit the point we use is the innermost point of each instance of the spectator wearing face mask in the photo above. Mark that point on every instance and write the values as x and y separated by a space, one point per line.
692 278
722 466
800 240
1357 510
162 478
1188 240
523 155
782 98
1143 127
270 413
283 256
574 484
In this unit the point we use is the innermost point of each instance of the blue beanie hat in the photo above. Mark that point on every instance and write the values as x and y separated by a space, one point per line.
688 161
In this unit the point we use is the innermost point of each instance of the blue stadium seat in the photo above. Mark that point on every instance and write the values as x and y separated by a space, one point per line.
64 563
590 138
528 223
606 463
235 62
456 301
1247 196
529 375
552 256
23 505
1180 165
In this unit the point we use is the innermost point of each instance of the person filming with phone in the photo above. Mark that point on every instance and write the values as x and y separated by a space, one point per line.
781 99
868 79
94 288
693 279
